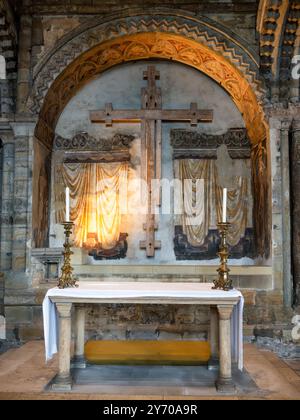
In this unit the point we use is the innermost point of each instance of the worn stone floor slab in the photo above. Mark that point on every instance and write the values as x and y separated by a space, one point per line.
182 381
24 375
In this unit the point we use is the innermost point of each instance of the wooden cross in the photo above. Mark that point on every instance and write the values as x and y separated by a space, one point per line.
151 115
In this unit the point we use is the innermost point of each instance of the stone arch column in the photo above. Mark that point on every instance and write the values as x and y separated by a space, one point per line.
1 181
6 189
295 172
1 274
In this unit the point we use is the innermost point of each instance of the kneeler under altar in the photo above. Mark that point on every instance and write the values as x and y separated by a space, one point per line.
226 329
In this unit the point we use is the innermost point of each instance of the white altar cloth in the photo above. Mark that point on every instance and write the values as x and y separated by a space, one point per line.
115 292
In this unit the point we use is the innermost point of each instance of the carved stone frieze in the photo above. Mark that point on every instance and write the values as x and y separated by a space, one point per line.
192 144
83 148
83 141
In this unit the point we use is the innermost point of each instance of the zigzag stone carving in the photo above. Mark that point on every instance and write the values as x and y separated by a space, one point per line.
94 33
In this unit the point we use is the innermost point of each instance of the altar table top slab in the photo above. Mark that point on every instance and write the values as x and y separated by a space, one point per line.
138 292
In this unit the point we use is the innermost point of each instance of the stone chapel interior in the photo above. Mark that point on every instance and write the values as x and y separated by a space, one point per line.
97 97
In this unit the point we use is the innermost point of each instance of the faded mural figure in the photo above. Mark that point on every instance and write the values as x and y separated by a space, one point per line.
41 232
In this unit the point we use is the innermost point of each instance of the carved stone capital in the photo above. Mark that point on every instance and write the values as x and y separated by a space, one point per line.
64 310
23 128
286 124
6 132
225 312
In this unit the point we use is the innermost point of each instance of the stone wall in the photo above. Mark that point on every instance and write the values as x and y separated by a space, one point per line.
6 98
1 294
265 316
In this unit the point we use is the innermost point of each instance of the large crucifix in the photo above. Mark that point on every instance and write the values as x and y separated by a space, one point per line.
151 115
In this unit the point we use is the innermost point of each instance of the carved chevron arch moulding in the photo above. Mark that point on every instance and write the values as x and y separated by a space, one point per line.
95 32
145 46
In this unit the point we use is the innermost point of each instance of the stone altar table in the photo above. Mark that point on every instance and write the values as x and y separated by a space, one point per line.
226 332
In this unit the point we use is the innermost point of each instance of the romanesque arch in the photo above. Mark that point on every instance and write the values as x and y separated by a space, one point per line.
98 47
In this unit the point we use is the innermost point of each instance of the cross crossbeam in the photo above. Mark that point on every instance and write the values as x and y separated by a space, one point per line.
151 116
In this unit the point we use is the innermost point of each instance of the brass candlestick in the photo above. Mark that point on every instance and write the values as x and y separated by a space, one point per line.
67 279
223 282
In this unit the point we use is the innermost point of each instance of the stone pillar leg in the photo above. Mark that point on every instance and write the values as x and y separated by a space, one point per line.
63 381
225 383
286 214
79 361
214 363
7 193
295 162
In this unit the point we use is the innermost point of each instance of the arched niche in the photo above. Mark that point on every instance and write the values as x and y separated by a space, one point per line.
143 46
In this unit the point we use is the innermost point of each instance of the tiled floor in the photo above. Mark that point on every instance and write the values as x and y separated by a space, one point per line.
24 375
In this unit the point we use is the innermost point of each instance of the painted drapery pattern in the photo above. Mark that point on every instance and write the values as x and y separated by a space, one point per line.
202 201
97 192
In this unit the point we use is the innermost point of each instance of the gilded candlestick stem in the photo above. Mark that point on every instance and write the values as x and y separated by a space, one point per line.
67 278
223 282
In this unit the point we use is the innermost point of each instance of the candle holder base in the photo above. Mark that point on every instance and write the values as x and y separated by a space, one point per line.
223 282
67 279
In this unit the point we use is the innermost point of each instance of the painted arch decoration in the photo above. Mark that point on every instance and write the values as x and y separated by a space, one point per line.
143 46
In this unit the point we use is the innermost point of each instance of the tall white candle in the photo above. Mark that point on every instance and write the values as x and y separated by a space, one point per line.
67 204
224 219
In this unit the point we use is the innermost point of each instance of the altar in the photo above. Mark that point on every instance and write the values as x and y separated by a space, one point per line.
226 326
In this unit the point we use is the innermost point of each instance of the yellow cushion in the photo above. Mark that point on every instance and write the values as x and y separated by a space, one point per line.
148 352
